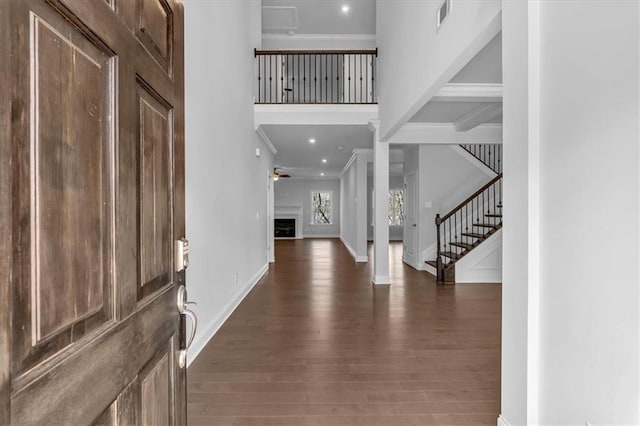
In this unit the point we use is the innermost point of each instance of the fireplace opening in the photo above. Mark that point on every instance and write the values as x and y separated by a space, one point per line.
285 228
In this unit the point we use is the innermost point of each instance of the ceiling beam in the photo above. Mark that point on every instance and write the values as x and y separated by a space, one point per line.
446 134
464 92
480 115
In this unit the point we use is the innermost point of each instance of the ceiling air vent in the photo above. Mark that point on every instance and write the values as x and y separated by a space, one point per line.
443 11
282 18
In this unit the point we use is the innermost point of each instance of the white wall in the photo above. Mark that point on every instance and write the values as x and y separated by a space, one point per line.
226 184
297 193
415 60
445 179
572 234
348 212
395 232
589 314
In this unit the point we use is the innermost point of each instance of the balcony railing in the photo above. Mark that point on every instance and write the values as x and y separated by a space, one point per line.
316 77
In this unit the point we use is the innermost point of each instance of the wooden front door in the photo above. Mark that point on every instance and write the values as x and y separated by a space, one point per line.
91 203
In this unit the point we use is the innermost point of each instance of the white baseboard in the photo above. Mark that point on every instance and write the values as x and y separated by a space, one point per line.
320 236
381 279
214 325
502 421
418 267
352 252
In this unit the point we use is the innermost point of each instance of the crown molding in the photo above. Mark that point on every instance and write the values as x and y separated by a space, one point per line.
266 139
351 160
320 37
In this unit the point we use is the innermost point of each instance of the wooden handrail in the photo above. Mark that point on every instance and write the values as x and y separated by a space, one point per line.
471 197
315 52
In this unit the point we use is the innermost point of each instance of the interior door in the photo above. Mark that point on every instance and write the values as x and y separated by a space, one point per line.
92 191
410 254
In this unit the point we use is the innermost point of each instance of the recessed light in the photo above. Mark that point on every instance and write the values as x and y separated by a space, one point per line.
345 8
312 140
324 160
341 147
321 174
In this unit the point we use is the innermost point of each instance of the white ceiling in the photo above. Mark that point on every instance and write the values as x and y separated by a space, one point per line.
300 158
319 16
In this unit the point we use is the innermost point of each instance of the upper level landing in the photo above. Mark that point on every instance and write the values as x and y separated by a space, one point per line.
332 87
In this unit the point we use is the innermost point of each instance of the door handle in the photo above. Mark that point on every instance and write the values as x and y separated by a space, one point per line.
183 310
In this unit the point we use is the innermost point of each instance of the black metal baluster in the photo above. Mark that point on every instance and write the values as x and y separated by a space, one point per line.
337 79
326 79
342 85
374 64
350 72
366 79
360 57
270 80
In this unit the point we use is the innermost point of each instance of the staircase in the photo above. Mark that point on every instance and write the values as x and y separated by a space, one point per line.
474 220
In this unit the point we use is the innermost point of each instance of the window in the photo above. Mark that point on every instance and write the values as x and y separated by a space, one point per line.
321 208
396 207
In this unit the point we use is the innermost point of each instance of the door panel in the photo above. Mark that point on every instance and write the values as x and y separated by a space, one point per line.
92 191
155 382
155 146
68 258
154 29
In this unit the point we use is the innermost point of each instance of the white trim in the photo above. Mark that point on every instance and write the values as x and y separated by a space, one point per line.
446 134
326 114
321 236
331 201
478 265
533 214
381 280
266 139
352 252
417 267
502 421
469 92
214 325
480 115
320 37
351 160
483 38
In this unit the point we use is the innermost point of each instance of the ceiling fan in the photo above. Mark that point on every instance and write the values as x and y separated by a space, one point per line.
277 175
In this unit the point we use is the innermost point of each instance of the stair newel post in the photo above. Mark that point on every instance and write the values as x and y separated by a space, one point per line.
439 266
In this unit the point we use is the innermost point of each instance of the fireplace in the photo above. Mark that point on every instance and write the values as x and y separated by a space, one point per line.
285 228
287 221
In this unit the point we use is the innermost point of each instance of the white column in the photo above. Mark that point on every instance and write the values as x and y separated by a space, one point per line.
380 207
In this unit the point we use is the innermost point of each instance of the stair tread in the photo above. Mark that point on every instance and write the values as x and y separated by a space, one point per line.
433 263
492 215
473 235
463 245
450 254
486 225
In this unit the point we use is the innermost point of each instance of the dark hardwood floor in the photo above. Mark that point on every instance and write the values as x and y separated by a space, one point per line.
315 343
